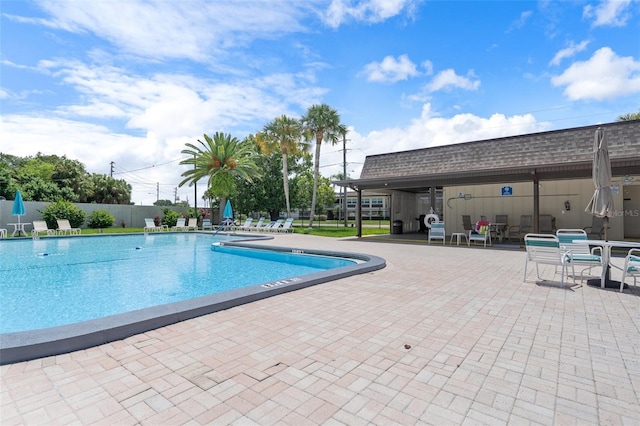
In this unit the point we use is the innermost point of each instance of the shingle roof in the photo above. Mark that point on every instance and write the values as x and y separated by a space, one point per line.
567 151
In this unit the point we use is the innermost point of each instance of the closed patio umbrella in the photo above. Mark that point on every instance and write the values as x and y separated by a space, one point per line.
228 211
18 206
18 209
601 204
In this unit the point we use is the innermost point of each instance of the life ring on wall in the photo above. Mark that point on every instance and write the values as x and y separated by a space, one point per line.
431 218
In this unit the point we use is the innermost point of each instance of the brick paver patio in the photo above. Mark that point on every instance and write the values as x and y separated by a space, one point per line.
442 335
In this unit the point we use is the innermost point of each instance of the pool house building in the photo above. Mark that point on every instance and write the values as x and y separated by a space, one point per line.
541 175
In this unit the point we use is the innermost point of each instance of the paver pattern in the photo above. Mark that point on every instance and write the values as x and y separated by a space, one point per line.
442 335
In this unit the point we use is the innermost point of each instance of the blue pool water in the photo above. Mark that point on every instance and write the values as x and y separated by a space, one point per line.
58 281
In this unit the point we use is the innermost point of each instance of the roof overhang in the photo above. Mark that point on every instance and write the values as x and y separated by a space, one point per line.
418 182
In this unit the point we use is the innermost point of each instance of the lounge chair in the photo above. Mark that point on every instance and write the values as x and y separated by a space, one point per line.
150 226
258 226
245 226
40 226
437 232
519 231
482 232
286 226
206 224
193 223
579 253
276 226
180 225
64 228
545 249
631 267
3 233
267 227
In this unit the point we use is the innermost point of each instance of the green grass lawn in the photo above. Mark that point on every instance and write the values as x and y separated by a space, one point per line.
323 229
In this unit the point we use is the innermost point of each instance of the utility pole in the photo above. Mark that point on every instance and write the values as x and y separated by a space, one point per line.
175 195
344 177
157 191
111 174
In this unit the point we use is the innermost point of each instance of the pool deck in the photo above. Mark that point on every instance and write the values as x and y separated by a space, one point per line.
442 335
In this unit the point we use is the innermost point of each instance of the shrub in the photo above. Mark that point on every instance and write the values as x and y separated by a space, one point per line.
170 217
100 219
62 209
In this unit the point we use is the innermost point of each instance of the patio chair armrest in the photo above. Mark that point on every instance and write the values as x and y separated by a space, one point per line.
595 249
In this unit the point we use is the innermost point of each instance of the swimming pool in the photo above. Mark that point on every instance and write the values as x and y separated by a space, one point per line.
62 294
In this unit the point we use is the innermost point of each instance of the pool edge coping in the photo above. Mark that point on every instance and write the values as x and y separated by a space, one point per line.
29 345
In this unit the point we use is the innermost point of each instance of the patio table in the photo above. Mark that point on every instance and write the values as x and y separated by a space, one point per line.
605 281
19 228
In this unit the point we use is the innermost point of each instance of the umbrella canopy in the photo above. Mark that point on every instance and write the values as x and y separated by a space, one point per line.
601 204
18 206
228 211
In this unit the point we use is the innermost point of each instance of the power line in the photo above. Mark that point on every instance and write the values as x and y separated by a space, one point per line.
152 166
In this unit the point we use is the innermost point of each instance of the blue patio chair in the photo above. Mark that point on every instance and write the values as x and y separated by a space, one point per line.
437 232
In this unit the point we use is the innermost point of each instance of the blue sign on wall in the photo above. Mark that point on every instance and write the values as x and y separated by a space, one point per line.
507 190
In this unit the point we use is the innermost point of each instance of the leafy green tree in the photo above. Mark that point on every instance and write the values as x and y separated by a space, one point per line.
263 194
107 190
283 134
162 203
303 185
630 116
38 189
63 209
321 122
221 159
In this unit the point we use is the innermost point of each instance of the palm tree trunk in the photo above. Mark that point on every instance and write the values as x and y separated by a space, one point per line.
285 181
316 177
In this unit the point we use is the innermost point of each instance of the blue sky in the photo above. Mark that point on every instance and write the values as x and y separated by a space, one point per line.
133 81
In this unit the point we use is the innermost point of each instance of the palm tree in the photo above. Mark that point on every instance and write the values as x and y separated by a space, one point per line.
220 159
283 133
322 123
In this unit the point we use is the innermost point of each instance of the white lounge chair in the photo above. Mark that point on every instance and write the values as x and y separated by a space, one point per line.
180 225
545 249
579 253
245 226
631 267
482 232
193 223
286 226
206 224
276 226
40 226
64 228
150 226
258 226
267 227
437 232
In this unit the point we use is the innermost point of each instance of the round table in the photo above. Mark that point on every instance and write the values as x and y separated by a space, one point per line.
19 228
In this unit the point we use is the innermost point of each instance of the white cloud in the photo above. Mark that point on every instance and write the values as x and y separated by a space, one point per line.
609 13
430 130
372 11
390 70
448 79
568 52
520 22
167 29
604 76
